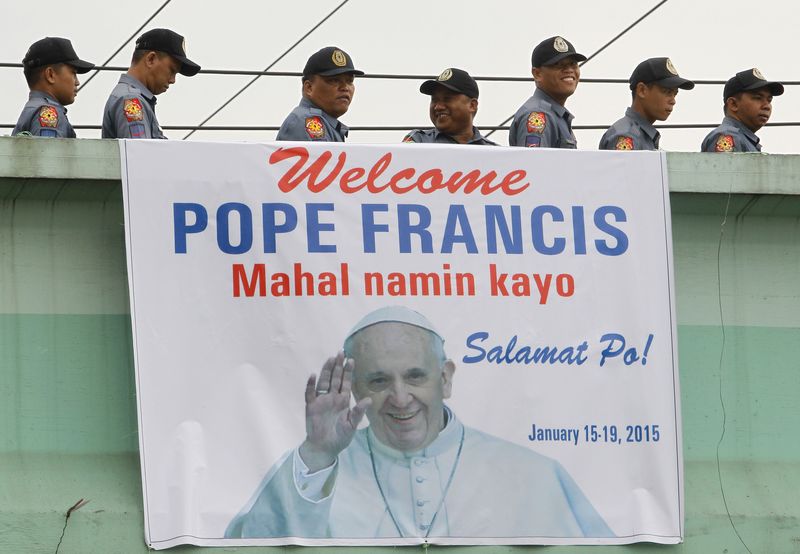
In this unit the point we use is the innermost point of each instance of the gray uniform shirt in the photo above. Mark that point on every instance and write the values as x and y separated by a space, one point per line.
43 116
543 122
308 122
434 136
632 132
731 136
130 111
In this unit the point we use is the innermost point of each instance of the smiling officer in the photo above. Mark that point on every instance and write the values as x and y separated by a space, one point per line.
454 103
544 121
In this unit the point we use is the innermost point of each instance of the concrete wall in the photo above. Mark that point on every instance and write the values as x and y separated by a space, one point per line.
67 395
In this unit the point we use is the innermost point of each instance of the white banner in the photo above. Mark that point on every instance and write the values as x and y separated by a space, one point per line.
509 373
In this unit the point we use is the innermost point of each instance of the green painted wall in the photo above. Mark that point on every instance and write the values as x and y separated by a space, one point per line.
67 396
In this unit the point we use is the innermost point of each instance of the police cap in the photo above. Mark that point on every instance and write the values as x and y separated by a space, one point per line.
52 50
455 79
328 62
659 71
169 42
552 50
750 79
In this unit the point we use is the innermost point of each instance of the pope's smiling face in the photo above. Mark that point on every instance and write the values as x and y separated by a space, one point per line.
401 368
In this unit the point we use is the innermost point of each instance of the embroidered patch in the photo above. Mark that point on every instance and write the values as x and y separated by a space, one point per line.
560 45
536 122
624 143
133 109
533 142
725 143
137 130
338 58
445 75
408 138
314 127
48 116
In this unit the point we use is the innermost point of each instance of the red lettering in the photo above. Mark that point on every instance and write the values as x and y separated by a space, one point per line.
289 181
349 176
376 171
240 280
428 181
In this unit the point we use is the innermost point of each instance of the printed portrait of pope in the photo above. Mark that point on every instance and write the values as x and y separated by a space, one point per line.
415 470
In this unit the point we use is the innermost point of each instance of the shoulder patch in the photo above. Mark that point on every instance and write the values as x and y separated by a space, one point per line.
624 143
725 143
132 107
314 127
409 137
48 116
532 142
536 122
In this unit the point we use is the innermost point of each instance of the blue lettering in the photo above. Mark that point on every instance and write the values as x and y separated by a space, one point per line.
496 221
405 228
369 227
620 236
314 227
182 227
457 218
579 228
245 228
537 230
271 226
478 336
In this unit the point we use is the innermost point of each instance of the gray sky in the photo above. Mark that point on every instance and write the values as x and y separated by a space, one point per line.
705 40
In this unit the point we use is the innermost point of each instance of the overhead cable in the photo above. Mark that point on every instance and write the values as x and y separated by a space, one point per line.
124 44
606 45
279 58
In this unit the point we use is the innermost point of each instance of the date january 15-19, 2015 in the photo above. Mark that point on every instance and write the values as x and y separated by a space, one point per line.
595 433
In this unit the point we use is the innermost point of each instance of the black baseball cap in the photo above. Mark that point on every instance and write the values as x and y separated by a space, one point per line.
659 71
453 78
329 61
750 79
169 42
51 50
552 50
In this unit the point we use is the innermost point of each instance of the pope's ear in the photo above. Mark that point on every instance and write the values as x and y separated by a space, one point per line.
448 369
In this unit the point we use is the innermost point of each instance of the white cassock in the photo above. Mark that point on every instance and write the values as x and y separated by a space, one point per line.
498 490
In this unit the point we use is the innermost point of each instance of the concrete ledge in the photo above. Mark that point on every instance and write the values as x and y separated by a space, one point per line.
46 158
736 173
92 159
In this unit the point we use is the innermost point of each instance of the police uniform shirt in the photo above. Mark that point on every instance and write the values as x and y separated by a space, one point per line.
308 122
731 136
130 111
542 122
632 132
434 136
43 116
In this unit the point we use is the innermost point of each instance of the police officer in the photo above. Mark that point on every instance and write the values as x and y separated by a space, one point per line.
328 87
454 103
748 105
50 68
543 120
654 85
130 111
